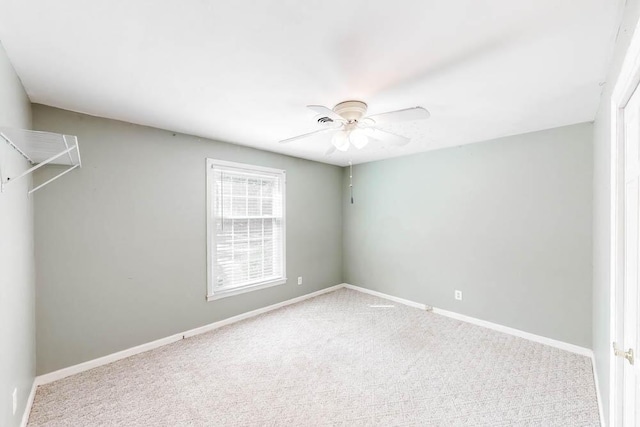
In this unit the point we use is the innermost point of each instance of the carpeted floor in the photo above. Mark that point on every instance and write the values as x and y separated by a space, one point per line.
334 360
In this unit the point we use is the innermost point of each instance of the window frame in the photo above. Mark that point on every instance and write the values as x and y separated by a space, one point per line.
211 227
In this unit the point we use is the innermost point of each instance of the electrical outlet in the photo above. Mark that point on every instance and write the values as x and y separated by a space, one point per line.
15 400
300 280
458 295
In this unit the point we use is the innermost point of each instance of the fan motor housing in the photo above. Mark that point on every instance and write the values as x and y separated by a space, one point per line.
351 110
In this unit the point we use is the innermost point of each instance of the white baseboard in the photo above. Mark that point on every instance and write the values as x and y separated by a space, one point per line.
239 317
517 332
500 328
29 405
104 360
85 366
385 296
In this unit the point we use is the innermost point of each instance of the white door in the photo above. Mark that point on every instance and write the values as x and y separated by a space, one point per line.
624 351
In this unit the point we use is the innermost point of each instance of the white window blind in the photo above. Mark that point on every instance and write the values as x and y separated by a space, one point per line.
246 227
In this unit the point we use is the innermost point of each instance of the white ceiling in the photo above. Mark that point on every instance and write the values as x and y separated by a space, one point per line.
242 71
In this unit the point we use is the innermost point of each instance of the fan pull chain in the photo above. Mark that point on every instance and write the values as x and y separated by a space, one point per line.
351 181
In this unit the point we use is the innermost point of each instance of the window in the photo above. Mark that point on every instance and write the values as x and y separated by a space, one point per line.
245 228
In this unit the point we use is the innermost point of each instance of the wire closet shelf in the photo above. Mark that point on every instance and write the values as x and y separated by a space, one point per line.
40 149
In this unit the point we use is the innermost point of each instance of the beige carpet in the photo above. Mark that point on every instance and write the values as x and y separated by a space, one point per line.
334 360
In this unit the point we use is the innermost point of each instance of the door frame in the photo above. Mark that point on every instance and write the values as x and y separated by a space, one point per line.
628 81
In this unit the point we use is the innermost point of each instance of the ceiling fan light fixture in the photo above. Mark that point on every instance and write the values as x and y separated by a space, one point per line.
341 141
350 126
358 139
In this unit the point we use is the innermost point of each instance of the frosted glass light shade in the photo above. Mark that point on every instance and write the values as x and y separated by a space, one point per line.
341 141
358 139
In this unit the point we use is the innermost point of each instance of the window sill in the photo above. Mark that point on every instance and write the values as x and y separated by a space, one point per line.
237 291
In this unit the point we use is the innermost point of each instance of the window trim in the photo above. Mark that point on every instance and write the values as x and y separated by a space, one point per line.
211 226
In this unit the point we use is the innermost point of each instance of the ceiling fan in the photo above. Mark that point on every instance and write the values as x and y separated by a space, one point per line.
349 126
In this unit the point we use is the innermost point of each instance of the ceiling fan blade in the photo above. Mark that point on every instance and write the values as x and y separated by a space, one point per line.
331 150
326 112
407 114
385 136
306 135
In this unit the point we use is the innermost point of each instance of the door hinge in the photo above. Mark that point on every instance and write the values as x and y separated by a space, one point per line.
625 354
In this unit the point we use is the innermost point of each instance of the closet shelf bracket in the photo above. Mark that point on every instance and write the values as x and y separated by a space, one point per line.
40 149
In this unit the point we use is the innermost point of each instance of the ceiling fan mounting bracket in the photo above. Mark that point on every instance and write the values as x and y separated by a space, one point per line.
352 111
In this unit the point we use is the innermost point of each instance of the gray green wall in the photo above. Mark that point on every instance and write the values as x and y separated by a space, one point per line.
121 243
507 222
121 249
601 206
17 273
